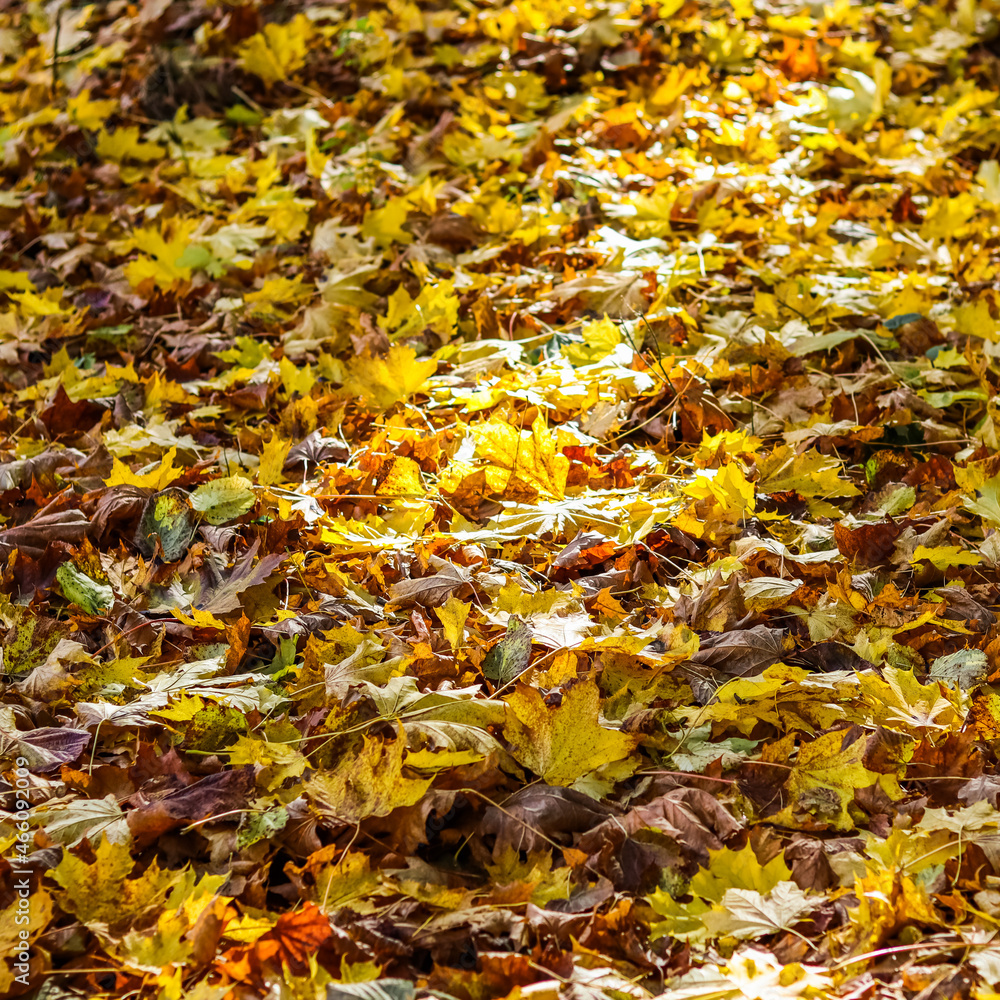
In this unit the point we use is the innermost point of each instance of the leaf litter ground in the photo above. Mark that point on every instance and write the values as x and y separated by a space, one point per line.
500 500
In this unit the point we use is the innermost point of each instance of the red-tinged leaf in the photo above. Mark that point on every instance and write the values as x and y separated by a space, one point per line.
296 938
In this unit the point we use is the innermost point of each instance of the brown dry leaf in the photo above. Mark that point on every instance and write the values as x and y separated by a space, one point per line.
537 814
868 544
432 591
34 537
225 793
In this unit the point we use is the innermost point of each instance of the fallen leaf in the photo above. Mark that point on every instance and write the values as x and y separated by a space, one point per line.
509 657
373 783
383 382
562 745
745 913
223 500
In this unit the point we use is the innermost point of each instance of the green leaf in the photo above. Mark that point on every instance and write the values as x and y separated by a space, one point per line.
510 656
194 256
68 822
80 589
741 869
260 826
224 499
200 258
964 669
166 519
942 400
243 115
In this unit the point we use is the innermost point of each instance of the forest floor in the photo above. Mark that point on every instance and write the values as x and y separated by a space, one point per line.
500 500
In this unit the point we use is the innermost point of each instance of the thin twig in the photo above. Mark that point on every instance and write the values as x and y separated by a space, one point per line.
55 52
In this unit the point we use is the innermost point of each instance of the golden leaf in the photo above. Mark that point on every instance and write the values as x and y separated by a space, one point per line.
383 382
566 743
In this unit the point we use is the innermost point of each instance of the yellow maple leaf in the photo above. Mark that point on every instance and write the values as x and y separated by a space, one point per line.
823 780
337 878
89 114
812 475
728 486
383 382
19 925
158 478
15 279
901 703
296 380
728 869
599 340
278 51
400 477
162 249
566 743
102 894
436 306
946 556
368 783
272 461
517 459
280 291
452 615
45 304
198 619
315 161
888 899
124 144
161 391
678 80
385 225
